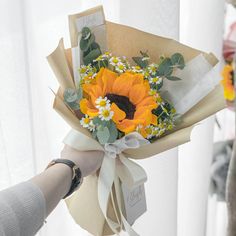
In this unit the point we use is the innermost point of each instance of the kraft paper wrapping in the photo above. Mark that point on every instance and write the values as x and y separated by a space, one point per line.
83 204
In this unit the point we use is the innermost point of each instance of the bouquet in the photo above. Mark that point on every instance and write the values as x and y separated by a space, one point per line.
133 95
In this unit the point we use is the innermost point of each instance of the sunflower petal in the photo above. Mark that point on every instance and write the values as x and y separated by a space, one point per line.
87 108
154 120
138 79
119 115
123 84
108 79
143 114
126 126
99 77
148 102
137 93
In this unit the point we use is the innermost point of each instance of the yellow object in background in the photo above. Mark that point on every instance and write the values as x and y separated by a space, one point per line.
228 82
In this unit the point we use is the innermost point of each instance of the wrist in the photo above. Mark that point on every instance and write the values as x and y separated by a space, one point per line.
75 173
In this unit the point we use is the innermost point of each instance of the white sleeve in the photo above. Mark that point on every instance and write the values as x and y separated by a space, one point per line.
22 210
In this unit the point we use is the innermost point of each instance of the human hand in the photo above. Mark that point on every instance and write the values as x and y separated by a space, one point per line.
87 161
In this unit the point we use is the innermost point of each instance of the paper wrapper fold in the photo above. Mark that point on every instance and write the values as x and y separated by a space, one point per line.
124 41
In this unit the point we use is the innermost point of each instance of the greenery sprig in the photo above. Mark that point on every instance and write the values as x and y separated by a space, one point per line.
90 49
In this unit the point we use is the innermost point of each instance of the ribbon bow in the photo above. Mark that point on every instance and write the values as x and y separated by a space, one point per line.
115 167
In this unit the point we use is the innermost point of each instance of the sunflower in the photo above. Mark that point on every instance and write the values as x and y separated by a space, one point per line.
129 97
228 82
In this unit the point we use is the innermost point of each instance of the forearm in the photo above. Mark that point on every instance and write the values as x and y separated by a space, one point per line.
54 183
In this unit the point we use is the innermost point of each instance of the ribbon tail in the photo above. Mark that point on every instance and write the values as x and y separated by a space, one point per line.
105 181
127 226
130 172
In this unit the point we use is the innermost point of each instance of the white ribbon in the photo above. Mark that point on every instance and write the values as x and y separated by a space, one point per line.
115 167
129 172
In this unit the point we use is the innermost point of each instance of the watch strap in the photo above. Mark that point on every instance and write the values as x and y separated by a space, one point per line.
76 177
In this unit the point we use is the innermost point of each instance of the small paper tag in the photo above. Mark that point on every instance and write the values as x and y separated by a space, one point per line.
134 202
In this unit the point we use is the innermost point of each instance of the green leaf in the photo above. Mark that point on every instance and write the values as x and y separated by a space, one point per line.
113 133
91 40
140 62
103 135
79 94
94 134
173 78
144 54
98 122
91 56
86 32
165 68
95 45
84 45
70 95
73 105
177 60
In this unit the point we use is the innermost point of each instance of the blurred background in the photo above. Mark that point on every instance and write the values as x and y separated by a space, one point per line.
186 185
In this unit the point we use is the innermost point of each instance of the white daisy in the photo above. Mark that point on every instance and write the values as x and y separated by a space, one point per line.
106 55
155 80
91 126
106 114
102 103
152 68
137 69
114 60
85 121
120 67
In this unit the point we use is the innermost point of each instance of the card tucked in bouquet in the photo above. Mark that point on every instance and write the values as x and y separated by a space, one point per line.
132 95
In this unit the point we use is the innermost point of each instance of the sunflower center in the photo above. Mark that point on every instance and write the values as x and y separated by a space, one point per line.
123 103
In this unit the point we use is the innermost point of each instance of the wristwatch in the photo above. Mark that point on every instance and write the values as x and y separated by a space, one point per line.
76 177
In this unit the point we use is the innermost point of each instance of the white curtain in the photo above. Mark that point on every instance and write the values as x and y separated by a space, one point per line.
201 26
31 132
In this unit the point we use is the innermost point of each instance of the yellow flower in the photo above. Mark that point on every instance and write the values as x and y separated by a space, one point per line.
227 82
131 104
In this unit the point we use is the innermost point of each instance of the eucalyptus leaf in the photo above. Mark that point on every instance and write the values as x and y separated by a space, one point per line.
84 45
178 60
79 94
86 32
140 62
98 122
73 105
165 68
103 135
70 95
95 45
94 134
113 133
173 78
91 56
144 54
